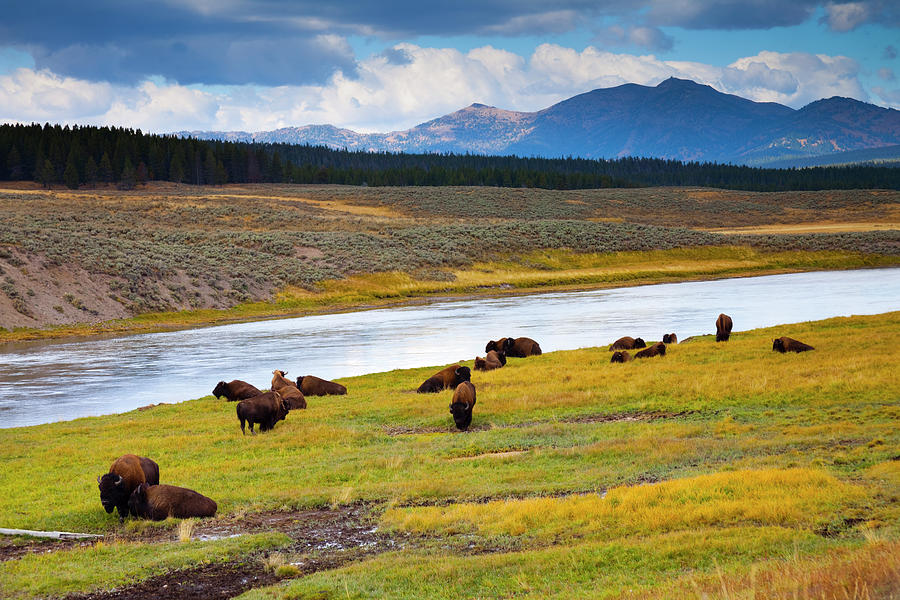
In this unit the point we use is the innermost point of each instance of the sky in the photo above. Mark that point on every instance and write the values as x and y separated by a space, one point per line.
242 65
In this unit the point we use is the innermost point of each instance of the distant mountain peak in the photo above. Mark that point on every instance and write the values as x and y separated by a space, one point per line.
676 119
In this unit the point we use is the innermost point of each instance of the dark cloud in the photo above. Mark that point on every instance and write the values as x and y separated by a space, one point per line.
279 42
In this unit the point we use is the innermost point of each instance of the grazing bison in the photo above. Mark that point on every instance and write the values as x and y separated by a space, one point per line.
723 328
620 356
670 338
657 349
160 502
450 377
786 344
628 343
235 390
125 474
314 386
518 347
265 409
493 360
461 405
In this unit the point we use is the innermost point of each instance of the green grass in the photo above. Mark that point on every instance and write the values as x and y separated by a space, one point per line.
716 456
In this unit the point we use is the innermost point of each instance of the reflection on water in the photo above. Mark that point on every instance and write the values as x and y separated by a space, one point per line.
42 382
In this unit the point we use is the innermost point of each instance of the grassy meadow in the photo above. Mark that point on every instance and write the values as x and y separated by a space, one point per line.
722 470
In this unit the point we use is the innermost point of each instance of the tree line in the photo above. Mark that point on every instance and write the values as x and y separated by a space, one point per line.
89 155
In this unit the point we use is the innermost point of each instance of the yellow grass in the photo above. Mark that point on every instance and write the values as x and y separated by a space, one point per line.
809 228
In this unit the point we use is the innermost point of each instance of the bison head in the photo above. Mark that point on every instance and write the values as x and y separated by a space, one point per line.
620 357
462 415
461 374
639 343
279 373
778 345
220 389
112 492
137 501
300 382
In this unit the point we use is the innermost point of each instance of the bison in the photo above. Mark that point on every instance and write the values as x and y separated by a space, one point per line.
235 390
620 356
158 502
279 380
520 347
723 328
670 338
265 409
657 349
311 385
289 391
493 360
450 377
628 343
462 404
125 474
786 344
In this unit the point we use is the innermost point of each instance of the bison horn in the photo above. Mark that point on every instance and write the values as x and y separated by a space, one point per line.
119 480
98 479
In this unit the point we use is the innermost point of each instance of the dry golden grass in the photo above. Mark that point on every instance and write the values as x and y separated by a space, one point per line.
809 228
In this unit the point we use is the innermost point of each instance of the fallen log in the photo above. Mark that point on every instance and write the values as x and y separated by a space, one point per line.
58 535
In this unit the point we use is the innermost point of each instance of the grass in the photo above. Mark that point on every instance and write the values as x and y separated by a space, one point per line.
715 466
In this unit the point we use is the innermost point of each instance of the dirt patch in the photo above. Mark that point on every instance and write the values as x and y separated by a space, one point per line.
16 547
321 539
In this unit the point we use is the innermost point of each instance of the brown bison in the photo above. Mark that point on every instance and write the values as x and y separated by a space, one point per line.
279 380
657 349
265 409
628 343
125 474
670 338
158 502
520 347
620 356
723 328
462 404
493 360
786 344
314 386
450 377
288 390
235 390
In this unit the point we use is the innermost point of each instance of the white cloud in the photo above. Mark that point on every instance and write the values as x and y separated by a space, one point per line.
388 94
846 16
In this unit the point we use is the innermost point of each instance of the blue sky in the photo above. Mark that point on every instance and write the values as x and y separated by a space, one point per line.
258 65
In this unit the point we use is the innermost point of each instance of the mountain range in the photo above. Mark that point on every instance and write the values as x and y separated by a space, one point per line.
677 119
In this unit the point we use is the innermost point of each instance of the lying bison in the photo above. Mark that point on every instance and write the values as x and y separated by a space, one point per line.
265 409
158 502
289 391
723 328
670 338
462 404
235 390
520 347
786 344
628 343
314 386
620 356
657 349
492 360
125 474
450 377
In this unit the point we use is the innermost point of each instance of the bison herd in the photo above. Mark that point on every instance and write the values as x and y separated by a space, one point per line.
132 483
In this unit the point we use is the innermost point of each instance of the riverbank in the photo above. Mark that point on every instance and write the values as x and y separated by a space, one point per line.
535 272
166 256
718 465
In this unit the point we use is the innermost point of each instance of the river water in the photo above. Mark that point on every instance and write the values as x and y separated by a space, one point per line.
42 382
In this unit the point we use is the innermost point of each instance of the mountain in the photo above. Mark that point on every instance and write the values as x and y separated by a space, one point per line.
677 119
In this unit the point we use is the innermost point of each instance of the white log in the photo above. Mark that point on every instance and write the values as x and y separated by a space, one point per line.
58 535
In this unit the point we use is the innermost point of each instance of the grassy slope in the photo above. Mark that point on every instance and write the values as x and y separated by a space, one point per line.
761 457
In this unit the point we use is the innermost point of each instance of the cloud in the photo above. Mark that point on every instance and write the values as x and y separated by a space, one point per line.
410 84
847 16
890 53
891 97
730 14
651 38
886 74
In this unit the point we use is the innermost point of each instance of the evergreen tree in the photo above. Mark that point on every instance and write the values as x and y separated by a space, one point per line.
46 173
90 171
129 178
105 170
14 167
70 175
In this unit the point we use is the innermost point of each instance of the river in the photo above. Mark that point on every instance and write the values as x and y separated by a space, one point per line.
43 381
